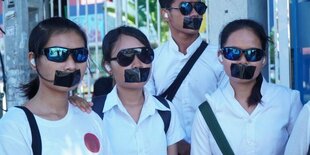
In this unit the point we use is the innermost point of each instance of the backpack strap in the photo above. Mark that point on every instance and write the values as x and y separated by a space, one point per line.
35 134
98 106
215 128
99 102
165 115
173 88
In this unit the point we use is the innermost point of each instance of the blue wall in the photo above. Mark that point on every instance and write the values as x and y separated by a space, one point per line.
300 34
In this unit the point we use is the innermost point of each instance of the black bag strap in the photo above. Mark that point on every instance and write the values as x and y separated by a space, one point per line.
215 128
99 102
35 134
173 88
165 115
308 150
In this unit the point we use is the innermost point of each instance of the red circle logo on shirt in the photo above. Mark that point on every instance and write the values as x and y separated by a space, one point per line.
92 142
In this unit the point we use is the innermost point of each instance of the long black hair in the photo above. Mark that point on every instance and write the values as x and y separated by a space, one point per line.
259 31
40 36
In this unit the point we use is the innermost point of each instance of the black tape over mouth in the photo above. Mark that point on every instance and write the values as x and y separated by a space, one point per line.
66 79
242 71
135 75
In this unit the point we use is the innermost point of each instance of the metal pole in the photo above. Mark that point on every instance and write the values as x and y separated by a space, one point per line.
59 8
96 40
105 17
52 8
158 23
136 14
118 11
126 12
147 17
68 9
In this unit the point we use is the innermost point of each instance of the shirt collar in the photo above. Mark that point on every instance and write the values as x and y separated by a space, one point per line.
150 106
111 100
264 92
229 91
190 50
150 103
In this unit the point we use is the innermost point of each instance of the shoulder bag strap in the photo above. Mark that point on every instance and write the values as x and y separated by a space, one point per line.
98 106
36 137
215 128
173 88
165 115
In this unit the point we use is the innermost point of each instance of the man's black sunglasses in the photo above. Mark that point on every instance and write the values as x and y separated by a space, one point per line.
126 56
187 7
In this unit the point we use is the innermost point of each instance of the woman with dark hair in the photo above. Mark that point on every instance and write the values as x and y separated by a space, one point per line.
131 114
58 52
256 117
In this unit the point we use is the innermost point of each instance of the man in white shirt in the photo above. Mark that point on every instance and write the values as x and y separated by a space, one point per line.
184 19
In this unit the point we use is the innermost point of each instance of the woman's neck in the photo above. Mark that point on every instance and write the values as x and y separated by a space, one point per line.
242 93
48 104
132 100
184 40
130 97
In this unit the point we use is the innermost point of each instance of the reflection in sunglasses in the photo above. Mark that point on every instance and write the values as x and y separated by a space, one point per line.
251 55
126 56
61 54
187 7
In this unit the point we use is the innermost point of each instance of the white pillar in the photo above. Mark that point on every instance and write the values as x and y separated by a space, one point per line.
283 69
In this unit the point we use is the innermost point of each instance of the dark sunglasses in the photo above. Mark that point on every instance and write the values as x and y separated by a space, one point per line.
126 56
187 7
61 54
251 55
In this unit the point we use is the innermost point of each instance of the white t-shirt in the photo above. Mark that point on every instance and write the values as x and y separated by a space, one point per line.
205 76
299 140
263 132
78 133
147 137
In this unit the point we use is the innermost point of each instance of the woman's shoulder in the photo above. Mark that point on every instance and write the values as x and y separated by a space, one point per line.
307 106
79 113
15 114
284 91
14 119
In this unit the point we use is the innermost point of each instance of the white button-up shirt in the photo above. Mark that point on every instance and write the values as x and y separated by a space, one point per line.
147 137
205 76
299 140
263 132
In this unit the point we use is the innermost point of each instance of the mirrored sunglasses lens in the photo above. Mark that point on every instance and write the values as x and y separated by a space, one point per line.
186 8
200 8
80 55
231 53
146 55
253 55
125 57
56 54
